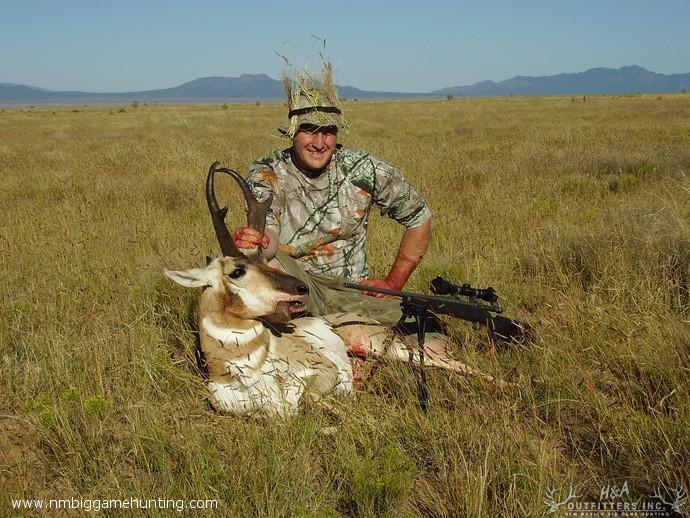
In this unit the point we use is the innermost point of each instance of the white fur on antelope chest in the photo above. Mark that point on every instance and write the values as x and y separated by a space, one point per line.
243 350
319 334
269 374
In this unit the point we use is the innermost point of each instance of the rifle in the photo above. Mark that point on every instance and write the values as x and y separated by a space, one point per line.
479 306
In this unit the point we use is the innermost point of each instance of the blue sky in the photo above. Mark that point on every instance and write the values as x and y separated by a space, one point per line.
422 45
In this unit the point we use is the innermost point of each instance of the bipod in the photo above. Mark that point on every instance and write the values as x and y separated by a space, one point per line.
420 313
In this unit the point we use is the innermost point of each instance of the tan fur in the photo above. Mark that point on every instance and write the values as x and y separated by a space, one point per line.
251 371
370 338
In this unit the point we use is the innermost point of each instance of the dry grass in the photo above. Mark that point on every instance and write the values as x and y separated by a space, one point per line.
578 212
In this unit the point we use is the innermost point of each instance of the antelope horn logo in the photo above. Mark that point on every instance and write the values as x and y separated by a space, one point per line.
551 502
681 498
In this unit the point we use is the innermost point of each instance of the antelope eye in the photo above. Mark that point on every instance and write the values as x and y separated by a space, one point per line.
237 273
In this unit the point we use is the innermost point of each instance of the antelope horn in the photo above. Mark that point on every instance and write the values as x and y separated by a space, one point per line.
256 211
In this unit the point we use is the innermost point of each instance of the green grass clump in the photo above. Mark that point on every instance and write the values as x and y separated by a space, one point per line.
577 212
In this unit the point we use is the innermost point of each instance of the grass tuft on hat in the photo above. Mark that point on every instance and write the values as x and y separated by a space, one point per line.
312 99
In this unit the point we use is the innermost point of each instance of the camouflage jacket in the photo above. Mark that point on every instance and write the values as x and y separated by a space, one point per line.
322 222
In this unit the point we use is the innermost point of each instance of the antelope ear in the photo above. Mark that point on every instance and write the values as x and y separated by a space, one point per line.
193 278
209 260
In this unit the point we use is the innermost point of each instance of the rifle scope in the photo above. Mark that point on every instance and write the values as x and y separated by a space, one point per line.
440 286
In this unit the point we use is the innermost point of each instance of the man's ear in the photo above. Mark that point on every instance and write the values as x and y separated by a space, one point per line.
192 278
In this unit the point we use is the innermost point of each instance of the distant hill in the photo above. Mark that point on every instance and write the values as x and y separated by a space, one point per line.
625 80
247 86
632 79
244 87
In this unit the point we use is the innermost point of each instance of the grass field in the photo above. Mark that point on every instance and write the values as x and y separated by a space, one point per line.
576 210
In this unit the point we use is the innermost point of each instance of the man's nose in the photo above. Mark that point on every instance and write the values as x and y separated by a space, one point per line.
318 139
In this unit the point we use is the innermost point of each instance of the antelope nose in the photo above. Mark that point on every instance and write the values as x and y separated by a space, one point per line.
302 289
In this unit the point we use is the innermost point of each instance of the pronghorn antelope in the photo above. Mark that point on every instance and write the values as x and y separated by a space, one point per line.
252 368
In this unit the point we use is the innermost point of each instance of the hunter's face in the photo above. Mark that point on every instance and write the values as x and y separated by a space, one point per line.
314 146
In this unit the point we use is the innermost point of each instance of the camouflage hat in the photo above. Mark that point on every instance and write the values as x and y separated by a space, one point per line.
312 100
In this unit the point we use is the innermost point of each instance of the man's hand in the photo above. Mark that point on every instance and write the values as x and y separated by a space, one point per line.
248 238
379 283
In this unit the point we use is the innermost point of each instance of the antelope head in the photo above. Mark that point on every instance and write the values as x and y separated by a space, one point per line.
244 285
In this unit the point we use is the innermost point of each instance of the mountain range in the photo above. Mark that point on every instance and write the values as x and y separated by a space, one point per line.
624 80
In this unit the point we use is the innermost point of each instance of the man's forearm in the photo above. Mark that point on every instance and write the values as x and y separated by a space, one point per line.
413 246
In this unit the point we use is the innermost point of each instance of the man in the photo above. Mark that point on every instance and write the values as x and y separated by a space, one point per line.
317 224
323 193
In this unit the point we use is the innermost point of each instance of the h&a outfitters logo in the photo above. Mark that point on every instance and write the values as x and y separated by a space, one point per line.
615 500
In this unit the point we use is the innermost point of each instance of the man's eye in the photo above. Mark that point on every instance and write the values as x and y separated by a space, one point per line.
237 273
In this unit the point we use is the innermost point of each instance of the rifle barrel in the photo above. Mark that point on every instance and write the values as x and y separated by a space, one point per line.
499 326
443 304
394 293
